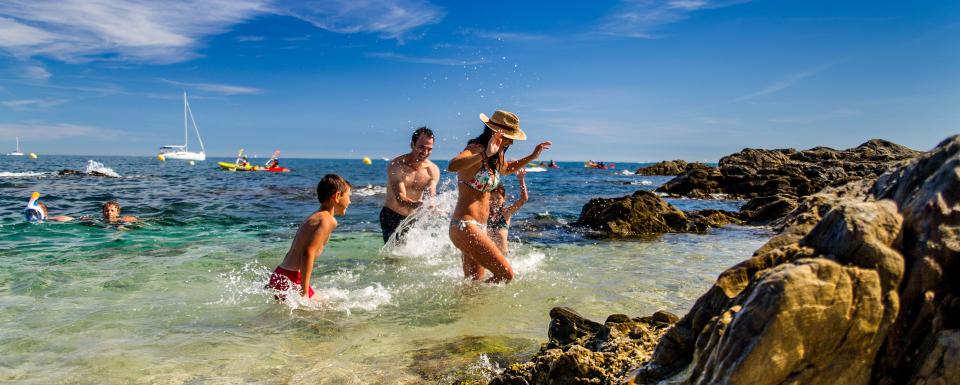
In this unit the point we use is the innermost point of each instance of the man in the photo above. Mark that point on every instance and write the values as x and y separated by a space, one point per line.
409 178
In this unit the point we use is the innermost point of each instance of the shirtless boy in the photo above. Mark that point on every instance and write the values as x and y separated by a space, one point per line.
409 178
333 192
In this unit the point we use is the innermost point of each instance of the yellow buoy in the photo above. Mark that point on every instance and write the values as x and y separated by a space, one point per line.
367 161
161 157
33 156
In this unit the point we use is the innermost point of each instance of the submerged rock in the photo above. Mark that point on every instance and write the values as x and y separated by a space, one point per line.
645 213
753 173
857 289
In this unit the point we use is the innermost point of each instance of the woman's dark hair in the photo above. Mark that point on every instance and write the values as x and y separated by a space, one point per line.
493 162
329 185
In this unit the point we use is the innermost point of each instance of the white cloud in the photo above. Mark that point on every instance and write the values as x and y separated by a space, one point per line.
36 72
28 104
642 18
57 131
246 38
424 60
507 36
392 19
224 89
162 32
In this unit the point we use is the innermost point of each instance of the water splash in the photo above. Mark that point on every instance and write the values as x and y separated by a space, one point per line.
28 174
426 232
93 165
370 190
248 283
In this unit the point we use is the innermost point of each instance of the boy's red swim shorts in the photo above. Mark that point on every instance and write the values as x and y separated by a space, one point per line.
281 280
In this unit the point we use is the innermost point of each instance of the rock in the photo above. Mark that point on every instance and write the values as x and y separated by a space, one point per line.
753 173
645 213
670 167
858 288
581 351
69 172
765 210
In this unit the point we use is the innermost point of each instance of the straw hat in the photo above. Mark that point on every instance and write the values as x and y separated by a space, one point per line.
506 123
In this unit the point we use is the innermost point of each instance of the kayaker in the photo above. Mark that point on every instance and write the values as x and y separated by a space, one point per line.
242 162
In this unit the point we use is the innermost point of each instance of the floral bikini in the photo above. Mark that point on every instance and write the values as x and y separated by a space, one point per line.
482 181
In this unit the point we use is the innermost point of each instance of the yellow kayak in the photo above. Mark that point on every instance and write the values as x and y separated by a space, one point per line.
234 167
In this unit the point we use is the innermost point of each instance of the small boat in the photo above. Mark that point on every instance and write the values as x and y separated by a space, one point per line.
183 152
599 165
534 169
234 167
16 153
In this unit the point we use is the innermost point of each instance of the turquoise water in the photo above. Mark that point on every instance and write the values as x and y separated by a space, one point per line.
179 298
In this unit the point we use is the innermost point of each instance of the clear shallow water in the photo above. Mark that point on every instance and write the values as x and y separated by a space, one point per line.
179 299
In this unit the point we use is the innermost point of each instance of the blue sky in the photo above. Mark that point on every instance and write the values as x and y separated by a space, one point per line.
613 80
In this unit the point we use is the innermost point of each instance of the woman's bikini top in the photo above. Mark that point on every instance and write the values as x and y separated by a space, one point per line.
483 181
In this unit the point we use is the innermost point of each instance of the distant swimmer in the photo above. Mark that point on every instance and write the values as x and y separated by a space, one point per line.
498 224
333 192
411 178
36 211
479 168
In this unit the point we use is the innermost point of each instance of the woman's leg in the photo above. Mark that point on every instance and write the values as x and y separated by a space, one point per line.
471 268
477 247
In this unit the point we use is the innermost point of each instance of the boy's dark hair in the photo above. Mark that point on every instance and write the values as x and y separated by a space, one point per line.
421 131
331 184
110 203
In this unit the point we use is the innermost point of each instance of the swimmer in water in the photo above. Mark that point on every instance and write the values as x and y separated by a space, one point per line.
36 211
111 213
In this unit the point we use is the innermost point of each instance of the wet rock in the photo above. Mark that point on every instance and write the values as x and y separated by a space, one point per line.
753 173
765 210
670 167
858 288
645 213
582 351
69 172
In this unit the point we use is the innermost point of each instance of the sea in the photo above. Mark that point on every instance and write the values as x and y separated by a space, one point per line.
179 297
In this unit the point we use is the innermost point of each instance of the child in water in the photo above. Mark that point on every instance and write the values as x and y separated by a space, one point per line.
499 222
36 211
333 192
111 213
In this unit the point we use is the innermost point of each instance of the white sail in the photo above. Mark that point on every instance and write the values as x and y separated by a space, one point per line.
183 151
18 152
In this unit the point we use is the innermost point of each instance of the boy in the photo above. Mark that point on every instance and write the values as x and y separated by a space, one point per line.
333 192
111 213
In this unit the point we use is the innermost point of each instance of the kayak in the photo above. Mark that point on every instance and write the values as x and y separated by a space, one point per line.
234 167
535 169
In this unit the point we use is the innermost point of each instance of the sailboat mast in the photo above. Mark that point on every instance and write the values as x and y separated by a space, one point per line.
18 144
186 139
194 120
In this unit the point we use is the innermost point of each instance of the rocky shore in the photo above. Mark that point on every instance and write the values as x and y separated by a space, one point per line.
671 168
858 288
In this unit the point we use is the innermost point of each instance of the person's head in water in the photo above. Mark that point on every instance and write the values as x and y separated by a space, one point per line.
421 144
334 192
111 211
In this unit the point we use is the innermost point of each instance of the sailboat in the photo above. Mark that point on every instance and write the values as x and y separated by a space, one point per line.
17 153
183 152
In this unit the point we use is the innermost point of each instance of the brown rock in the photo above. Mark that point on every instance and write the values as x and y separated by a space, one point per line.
670 167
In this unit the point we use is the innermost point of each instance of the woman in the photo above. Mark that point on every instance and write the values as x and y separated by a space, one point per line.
478 169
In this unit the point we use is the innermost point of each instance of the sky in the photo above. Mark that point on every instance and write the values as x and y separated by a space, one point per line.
628 80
